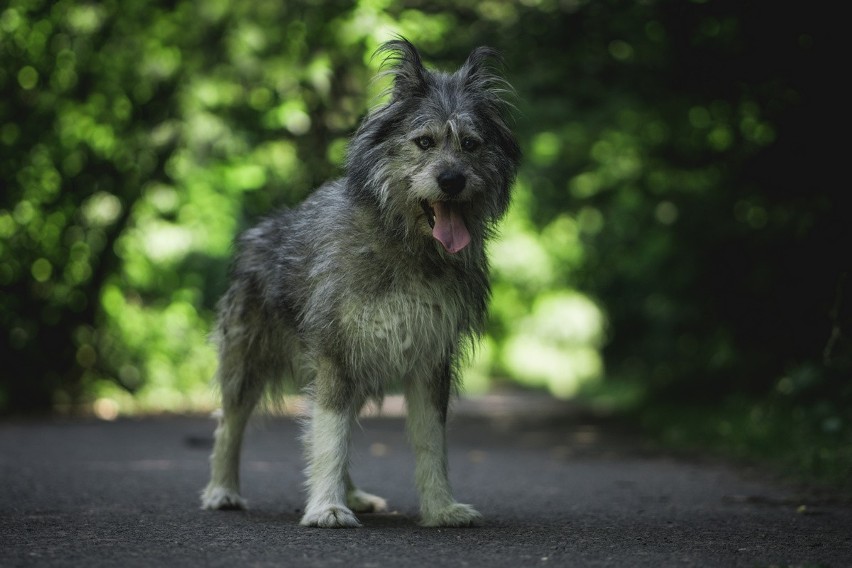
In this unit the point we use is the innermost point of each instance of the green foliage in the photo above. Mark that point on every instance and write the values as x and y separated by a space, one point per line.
148 131
802 441
674 235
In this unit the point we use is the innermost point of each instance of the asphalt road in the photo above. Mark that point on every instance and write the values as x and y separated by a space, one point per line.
556 488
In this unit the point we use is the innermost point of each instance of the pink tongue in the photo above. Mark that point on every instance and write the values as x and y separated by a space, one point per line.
449 227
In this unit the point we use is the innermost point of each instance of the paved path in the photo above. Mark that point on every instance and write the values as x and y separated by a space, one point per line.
555 491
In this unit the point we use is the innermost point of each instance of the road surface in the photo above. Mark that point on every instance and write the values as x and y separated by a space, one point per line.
556 487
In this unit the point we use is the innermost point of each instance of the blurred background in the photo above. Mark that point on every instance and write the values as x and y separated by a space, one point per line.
674 252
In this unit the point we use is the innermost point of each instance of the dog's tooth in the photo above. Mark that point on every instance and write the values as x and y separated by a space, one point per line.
429 211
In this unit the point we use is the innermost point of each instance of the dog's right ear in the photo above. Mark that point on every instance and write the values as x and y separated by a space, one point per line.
403 63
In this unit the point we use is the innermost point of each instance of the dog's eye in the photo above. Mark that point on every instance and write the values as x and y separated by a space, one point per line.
424 142
469 144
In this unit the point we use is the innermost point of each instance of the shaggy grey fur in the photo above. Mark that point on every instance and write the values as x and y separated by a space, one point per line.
377 278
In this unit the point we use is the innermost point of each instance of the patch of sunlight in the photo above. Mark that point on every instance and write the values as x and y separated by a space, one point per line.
585 185
519 257
207 93
292 116
319 73
561 232
160 62
106 409
563 371
8 227
424 27
561 239
41 270
504 13
24 213
204 127
546 147
278 157
245 177
249 38
213 10
28 78
377 5
567 318
165 242
112 300
162 197
371 24
556 345
85 18
102 209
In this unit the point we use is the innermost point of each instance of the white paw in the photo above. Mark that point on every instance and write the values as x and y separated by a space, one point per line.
363 502
453 515
329 517
217 497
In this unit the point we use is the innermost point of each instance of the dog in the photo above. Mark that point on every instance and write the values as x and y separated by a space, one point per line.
379 278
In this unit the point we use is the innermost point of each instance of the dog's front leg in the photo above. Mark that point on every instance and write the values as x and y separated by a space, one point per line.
327 440
427 415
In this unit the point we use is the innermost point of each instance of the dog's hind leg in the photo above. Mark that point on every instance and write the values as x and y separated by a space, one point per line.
361 501
427 401
241 390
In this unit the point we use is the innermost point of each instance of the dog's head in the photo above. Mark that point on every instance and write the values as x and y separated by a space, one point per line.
438 159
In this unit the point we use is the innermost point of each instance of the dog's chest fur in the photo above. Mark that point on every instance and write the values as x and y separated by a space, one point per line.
394 312
407 323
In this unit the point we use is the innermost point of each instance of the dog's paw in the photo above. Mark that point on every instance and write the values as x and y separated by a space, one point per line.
221 498
363 502
330 517
453 515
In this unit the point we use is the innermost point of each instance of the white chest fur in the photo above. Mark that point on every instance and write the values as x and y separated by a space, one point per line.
396 333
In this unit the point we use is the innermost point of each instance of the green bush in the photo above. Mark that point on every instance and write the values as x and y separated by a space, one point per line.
674 228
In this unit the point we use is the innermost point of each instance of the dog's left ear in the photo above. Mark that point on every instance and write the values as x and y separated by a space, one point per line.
481 75
480 69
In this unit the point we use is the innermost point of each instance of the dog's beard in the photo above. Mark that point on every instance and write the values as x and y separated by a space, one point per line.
447 223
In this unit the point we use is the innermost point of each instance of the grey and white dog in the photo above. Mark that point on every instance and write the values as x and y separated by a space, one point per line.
378 278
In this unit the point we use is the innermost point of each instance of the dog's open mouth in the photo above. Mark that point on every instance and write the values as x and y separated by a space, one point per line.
447 224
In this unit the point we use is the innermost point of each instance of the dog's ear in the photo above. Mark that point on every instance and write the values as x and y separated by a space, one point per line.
481 66
481 77
403 63
482 72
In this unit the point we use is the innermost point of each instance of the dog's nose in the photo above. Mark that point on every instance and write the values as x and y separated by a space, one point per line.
451 182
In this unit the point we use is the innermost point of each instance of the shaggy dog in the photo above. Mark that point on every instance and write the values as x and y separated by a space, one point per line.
377 278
